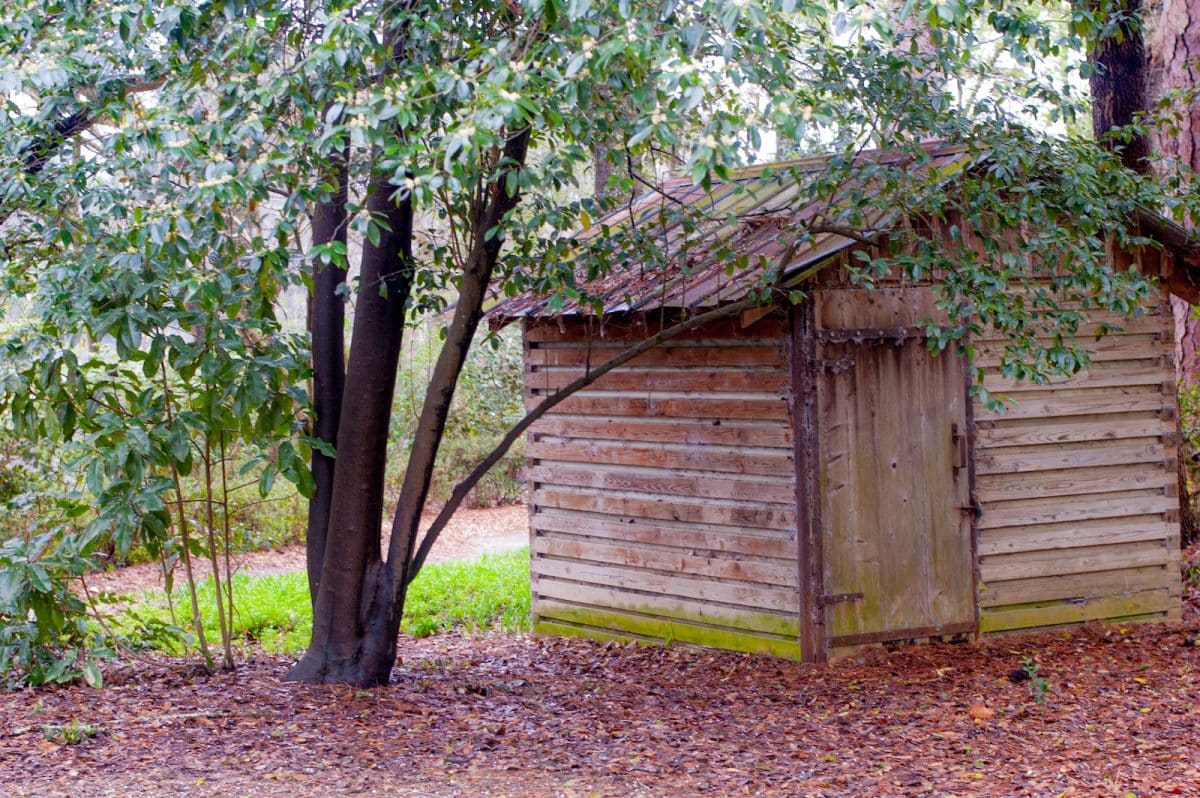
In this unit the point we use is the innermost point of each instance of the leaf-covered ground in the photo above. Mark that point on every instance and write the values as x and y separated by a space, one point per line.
516 716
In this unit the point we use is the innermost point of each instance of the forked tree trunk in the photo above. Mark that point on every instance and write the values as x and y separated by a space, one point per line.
356 616
473 284
353 607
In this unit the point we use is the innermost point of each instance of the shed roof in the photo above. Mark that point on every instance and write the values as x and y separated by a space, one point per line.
757 213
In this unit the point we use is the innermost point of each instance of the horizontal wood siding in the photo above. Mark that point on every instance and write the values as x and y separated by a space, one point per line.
663 496
1077 485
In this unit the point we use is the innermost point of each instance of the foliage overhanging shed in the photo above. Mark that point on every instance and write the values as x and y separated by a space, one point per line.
800 479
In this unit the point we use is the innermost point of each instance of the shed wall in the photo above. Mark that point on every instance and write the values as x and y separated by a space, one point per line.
663 496
1077 485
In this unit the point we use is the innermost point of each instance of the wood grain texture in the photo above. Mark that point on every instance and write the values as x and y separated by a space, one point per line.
756 407
1076 483
694 537
1092 584
717 432
669 456
671 561
1027 565
892 484
630 578
1115 425
664 482
1146 602
663 502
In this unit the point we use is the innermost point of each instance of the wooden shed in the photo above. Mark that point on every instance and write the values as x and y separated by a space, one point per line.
803 479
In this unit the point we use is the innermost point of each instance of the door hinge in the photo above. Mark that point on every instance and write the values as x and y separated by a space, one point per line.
835 598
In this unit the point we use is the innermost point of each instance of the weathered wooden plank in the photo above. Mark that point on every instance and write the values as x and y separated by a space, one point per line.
1026 565
669 630
1072 586
694 537
738 594
673 356
1049 404
669 509
698 458
892 486
1100 427
1097 377
665 483
670 560
1071 482
549 627
1086 332
1010 540
769 380
1121 347
717 432
750 407
777 623
1147 602
561 619
1077 508
626 330
1013 460
848 308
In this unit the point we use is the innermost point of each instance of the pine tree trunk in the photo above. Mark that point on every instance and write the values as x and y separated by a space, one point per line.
1174 50
1174 47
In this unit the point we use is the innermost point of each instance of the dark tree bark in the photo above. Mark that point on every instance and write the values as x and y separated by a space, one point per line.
1118 85
353 609
357 610
327 329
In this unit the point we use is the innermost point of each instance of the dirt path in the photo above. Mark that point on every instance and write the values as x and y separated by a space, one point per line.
469 534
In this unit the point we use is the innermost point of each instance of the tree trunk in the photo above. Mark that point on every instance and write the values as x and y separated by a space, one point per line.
327 328
602 170
1174 49
353 609
1118 84
476 275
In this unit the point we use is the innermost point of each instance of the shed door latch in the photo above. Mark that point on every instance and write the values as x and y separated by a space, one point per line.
835 598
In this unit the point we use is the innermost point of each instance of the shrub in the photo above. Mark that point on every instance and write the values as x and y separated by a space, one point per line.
45 636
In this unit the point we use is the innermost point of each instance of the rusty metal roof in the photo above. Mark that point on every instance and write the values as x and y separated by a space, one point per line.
713 246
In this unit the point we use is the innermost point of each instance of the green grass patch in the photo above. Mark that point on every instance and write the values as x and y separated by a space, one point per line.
489 592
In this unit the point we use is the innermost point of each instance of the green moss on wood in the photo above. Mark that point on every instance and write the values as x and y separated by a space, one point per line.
606 624
1056 613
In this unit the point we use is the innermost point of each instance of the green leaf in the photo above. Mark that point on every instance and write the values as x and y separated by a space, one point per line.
92 675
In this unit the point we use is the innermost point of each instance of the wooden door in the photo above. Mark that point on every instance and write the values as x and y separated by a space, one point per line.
893 477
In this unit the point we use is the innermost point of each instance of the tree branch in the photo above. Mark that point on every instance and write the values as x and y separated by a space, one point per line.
550 402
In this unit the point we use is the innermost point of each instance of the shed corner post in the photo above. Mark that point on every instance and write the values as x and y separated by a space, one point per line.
806 440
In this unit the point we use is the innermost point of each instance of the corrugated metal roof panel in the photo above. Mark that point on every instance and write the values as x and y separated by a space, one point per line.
698 233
